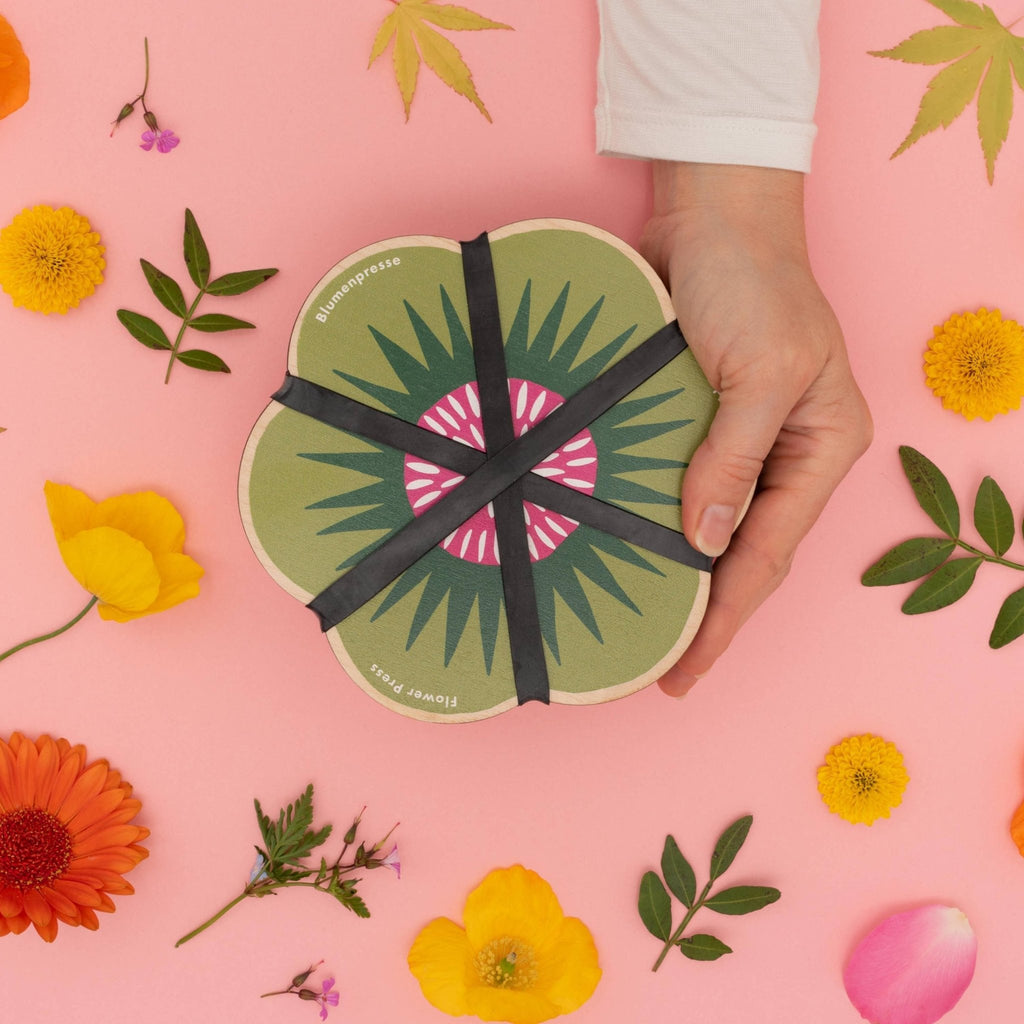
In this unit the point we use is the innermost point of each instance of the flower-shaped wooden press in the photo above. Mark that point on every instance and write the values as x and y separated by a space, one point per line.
471 472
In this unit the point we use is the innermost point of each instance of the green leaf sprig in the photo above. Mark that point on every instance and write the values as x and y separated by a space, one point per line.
281 860
984 59
170 295
655 906
948 579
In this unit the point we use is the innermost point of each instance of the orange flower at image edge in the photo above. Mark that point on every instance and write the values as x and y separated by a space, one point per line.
14 70
518 959
65 837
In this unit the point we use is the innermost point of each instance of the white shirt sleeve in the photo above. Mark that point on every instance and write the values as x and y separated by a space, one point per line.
710 81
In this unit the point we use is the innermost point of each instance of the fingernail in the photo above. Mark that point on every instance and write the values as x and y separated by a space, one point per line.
714 530
678 684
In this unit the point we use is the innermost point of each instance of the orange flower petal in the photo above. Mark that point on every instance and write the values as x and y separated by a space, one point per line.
25 774
89 918
46 771
66 776
8 801
38 910
109 838
11 904
61 904
14 70
121 815
96 811
111 860
85 787
48 931
83 895
18 924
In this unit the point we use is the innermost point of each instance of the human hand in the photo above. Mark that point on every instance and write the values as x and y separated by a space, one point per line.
730 243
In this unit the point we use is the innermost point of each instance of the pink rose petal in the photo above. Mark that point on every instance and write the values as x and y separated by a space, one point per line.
912 968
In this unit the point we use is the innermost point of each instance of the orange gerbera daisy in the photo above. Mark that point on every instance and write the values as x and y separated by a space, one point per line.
64 836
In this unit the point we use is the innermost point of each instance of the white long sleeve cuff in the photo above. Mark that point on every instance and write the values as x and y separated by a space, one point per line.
711 81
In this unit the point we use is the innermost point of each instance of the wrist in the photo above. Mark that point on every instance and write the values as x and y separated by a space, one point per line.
761 208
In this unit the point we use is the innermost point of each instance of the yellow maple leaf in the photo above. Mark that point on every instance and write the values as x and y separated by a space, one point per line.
986 59
409 25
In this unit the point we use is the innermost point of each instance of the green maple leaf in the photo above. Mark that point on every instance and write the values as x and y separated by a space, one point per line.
986 58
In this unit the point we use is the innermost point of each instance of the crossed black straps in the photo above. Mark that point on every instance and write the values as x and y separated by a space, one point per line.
500 475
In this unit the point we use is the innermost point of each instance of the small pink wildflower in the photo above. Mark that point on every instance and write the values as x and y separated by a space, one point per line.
391 861
327 997
164 139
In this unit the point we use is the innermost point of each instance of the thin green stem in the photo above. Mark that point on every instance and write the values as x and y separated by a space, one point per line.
988 558
49 636
678 933
181 334
216 917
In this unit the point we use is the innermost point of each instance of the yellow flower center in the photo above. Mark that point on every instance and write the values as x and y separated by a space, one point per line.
985 362
507 963
51 255
865 778
35 848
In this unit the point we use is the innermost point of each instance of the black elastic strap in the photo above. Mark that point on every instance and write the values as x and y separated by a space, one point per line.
388 561
345 413
526 642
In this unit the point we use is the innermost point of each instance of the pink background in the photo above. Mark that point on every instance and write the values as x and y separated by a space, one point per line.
293 154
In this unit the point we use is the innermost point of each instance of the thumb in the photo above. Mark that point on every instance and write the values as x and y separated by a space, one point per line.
723 471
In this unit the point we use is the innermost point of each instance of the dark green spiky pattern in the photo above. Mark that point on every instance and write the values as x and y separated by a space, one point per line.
381 504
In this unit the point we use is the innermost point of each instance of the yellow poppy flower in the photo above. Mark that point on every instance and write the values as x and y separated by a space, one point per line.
127 550
518 959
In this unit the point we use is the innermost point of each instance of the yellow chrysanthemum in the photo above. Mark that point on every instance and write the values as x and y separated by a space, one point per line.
127 550
862 778
50 259
518 959
975 364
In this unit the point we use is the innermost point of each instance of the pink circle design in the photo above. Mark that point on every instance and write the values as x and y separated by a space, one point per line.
457 416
